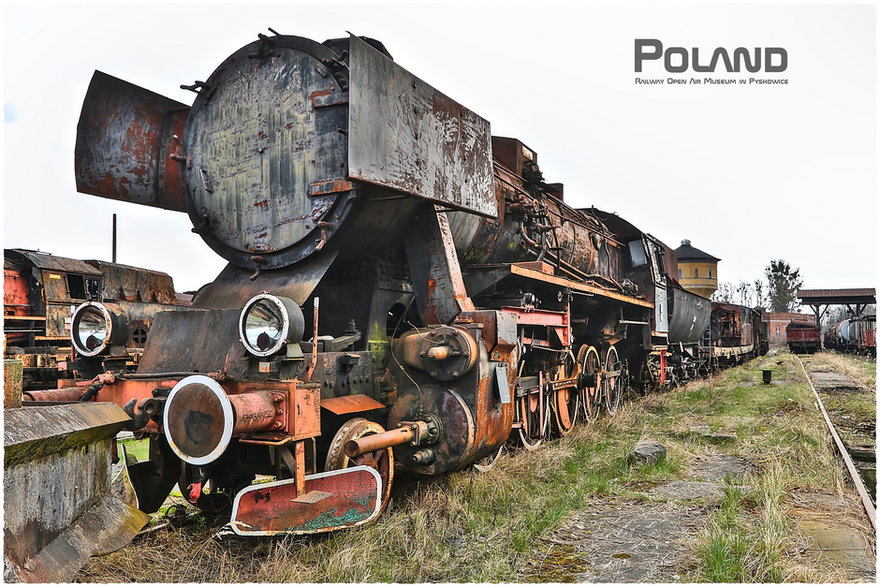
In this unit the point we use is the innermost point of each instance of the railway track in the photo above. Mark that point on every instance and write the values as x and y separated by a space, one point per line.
865 496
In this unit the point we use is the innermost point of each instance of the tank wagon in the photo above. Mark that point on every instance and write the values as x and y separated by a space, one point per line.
402 287
855 335
41 294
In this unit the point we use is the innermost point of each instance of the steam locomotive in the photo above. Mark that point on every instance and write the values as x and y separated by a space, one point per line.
40 294
402 287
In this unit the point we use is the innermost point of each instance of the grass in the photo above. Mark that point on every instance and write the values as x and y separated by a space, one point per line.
862 369
748 535
724 546
472 527
139 449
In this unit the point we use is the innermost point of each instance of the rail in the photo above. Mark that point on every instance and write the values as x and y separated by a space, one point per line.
869 506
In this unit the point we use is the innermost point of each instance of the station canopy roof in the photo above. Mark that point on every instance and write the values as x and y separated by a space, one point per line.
865 295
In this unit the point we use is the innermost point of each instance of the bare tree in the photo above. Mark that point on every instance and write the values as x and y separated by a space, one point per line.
724 293
744 291
760 294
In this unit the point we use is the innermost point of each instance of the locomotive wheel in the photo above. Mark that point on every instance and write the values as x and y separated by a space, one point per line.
588 386
533 411
611 380
381 460
486 463
650 379
566 401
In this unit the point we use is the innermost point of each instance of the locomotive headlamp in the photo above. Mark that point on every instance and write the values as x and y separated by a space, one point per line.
269 322
94 327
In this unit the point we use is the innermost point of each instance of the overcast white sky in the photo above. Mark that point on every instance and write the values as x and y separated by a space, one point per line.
747 173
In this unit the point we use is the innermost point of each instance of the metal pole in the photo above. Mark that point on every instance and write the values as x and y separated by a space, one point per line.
114 238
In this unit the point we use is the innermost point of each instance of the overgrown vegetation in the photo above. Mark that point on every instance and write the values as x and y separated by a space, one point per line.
862 369
748 535
469 526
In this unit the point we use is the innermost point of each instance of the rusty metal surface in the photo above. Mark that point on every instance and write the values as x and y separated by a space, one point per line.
50 262
15 294
512 153
267 159
134 284
535 226
435 269
124 142
803 336
195 420
474 418
446 352
13 381
349 404
304 419
407 136
258 411
58 320
62 394
732 326
373 442
119 392
333 500
201 416
192 340
689 317
234 286
503 270
55 286
457 431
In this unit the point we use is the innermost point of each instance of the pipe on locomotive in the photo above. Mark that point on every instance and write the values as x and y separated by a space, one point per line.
415 433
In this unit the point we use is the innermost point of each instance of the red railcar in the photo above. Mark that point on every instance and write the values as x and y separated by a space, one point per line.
803 337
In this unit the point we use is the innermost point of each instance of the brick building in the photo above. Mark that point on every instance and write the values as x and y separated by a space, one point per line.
777 321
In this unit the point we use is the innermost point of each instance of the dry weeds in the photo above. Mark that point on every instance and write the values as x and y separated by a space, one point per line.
862 369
